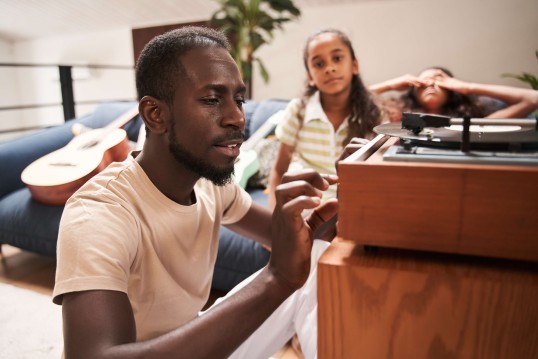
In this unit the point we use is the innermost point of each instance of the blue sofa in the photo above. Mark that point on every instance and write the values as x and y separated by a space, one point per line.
33 226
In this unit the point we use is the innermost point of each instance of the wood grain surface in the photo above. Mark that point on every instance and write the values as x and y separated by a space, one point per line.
388 303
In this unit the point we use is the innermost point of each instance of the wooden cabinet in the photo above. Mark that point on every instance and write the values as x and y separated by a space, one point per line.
432 261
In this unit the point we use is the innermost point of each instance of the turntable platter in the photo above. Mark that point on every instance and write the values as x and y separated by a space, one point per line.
481 137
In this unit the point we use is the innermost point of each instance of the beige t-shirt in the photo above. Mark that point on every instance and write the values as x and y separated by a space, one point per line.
119 232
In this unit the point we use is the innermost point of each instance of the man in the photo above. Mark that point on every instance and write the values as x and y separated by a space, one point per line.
138 242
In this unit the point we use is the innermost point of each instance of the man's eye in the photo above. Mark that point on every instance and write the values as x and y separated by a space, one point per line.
211 100
240 102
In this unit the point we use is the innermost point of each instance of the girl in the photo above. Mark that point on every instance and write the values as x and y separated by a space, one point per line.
436 91
335 107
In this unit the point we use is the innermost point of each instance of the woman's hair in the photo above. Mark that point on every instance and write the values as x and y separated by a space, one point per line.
365 112
456 105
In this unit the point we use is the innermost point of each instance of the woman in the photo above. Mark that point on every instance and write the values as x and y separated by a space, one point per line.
436 91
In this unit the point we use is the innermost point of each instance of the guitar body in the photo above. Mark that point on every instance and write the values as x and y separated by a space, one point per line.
52 179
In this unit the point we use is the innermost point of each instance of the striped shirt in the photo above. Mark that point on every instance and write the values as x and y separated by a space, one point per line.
317 144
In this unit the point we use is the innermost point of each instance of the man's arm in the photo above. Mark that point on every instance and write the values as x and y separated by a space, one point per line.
100 324
256 224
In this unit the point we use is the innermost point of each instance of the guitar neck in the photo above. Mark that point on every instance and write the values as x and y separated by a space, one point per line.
262 132
123 118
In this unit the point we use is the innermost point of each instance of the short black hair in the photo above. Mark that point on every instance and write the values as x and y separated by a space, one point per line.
158 65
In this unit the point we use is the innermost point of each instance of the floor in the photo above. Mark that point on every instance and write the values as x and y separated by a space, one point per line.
36 272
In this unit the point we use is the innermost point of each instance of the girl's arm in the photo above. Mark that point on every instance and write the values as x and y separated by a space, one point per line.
400 83
280 166
521 102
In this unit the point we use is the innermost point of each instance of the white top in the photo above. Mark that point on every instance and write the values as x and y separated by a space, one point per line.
317 144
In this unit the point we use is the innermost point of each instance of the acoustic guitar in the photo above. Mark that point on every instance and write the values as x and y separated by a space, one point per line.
53 178
247 163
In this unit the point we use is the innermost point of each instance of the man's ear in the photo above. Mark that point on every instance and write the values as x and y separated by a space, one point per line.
154 113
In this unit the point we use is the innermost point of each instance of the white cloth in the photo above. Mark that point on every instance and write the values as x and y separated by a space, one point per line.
297 314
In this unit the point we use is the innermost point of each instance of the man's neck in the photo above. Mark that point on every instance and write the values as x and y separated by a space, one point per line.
169 177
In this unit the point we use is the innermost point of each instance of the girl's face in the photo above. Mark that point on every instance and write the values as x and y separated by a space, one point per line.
431 97
330 64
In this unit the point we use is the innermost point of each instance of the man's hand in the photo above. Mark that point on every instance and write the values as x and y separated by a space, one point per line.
353 146
292 235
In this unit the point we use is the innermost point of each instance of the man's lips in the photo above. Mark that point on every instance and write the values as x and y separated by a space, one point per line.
230 148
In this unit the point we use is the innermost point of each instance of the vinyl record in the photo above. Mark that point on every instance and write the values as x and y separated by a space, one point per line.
481 137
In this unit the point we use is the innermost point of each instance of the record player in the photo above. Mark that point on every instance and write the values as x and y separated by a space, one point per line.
437 247
426 137
454 185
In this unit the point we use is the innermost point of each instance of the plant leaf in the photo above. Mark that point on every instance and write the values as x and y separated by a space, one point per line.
263 70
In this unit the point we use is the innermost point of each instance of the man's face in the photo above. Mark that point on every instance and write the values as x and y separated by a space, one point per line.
207 124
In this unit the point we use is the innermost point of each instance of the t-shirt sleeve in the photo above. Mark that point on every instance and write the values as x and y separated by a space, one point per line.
290 124
236 202
104 235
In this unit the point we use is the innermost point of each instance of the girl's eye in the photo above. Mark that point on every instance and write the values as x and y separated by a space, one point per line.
318 65
337 58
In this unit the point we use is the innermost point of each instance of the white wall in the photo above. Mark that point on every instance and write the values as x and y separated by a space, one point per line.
42 86
9 94
477 39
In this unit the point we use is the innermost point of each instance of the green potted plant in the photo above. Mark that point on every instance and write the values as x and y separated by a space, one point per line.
250 24
526 77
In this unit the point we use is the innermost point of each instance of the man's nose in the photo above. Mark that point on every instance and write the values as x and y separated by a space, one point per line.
234 116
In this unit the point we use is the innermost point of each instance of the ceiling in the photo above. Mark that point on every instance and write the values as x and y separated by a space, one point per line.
29 19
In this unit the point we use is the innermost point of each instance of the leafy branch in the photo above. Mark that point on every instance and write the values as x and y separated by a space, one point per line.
250 24
526 77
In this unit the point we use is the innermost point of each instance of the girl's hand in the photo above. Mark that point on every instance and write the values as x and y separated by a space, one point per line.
404 82
450 83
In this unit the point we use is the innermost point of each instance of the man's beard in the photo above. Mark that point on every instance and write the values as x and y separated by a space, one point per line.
219 176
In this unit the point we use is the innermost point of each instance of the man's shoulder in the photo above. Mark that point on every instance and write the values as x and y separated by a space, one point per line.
107 185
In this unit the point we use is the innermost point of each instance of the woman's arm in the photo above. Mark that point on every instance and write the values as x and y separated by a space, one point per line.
282 162
521 102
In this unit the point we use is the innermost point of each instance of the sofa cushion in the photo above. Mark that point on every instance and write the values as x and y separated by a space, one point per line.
238 257
263 111
27 224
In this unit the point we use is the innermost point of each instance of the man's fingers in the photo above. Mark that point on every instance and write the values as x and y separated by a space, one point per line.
287 191
311 177
295 206
322 214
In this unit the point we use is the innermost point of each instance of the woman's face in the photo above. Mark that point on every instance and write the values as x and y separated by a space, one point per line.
431 97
